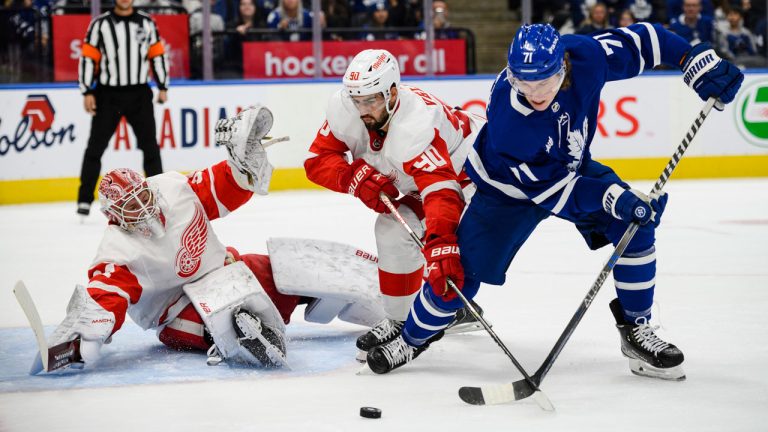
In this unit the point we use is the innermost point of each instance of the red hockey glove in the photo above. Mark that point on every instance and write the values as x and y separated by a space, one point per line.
444 261
366 183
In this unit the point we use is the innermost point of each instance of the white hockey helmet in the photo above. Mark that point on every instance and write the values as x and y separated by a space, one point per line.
372 72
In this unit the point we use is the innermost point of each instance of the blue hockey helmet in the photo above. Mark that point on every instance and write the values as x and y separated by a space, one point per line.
536 53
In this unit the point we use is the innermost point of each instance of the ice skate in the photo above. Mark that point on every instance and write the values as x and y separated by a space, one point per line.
465 321
648 354
383 332
261 341
384 358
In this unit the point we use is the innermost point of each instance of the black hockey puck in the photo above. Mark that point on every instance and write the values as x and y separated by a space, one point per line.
370 412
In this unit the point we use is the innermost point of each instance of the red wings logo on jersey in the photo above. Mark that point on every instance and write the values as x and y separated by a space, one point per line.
193 243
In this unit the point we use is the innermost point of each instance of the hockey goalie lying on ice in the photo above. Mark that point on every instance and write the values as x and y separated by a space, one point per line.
161 263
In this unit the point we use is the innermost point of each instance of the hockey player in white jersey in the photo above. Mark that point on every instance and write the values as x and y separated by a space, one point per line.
161 263
401 140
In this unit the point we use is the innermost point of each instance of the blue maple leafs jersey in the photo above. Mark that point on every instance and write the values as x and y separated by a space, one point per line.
542 156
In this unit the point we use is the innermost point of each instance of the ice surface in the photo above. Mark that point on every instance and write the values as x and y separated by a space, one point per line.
712 289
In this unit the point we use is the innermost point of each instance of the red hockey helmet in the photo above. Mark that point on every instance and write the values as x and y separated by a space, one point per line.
129 202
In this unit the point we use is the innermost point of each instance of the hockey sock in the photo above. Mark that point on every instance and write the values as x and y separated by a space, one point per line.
426 318
635 279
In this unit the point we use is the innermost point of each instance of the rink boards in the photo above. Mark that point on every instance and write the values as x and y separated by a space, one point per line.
44 129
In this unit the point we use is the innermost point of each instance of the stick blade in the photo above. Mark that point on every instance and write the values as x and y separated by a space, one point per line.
496 394
28 306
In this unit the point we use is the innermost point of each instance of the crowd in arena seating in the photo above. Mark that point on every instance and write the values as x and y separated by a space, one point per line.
735 28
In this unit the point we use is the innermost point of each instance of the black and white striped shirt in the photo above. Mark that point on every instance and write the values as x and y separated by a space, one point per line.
118 50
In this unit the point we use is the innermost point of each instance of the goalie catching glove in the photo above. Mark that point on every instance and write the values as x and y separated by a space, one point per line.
242 135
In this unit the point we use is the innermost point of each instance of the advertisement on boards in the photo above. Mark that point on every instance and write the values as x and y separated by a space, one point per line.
69 32
296 60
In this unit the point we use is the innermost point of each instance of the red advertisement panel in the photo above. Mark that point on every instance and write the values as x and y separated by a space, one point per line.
69 32
295 59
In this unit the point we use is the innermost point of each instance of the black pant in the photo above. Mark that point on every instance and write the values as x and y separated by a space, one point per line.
133 102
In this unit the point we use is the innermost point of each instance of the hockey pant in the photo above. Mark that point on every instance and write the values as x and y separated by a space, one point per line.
401 262
493 229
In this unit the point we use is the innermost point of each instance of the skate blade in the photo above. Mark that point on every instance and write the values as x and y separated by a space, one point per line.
362 356
364 370
641 368
466 328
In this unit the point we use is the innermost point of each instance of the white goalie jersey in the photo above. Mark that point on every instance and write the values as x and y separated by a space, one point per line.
143 276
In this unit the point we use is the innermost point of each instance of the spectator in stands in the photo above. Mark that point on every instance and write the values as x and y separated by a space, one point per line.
626 18
196 19
336 15
22 26
379 20
654 11
754 12
597 20
401 13
288 17
443 29
738 44
580 9
249 16
676 8
692 25
362 10
761 38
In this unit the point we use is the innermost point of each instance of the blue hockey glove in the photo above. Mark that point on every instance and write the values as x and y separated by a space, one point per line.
710 76
633 206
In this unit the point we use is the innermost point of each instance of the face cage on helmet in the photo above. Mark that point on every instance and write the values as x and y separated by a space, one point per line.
138 219
517 83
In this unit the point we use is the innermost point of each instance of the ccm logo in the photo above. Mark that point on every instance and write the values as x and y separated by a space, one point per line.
359 175
205 307
445 250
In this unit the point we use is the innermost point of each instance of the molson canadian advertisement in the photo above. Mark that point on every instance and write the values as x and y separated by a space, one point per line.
44 130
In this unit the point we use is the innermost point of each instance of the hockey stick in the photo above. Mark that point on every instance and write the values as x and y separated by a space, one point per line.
55 357
522 389
539 396
28 306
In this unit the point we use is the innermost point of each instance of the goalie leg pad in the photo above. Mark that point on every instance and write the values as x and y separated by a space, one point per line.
224 292
342 279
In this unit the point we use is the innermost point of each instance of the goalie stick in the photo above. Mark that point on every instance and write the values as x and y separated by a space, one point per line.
522 389
541 399
51 358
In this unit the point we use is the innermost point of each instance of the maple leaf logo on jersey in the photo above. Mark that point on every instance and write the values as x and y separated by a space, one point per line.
193 243
576 145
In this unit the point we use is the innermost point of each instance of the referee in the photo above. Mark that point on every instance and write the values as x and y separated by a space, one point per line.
118 49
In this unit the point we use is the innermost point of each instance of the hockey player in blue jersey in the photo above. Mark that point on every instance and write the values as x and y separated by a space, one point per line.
532 160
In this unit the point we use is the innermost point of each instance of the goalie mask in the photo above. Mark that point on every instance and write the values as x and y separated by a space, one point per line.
129 202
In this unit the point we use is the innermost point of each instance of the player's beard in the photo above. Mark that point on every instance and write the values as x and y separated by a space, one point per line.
376 124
